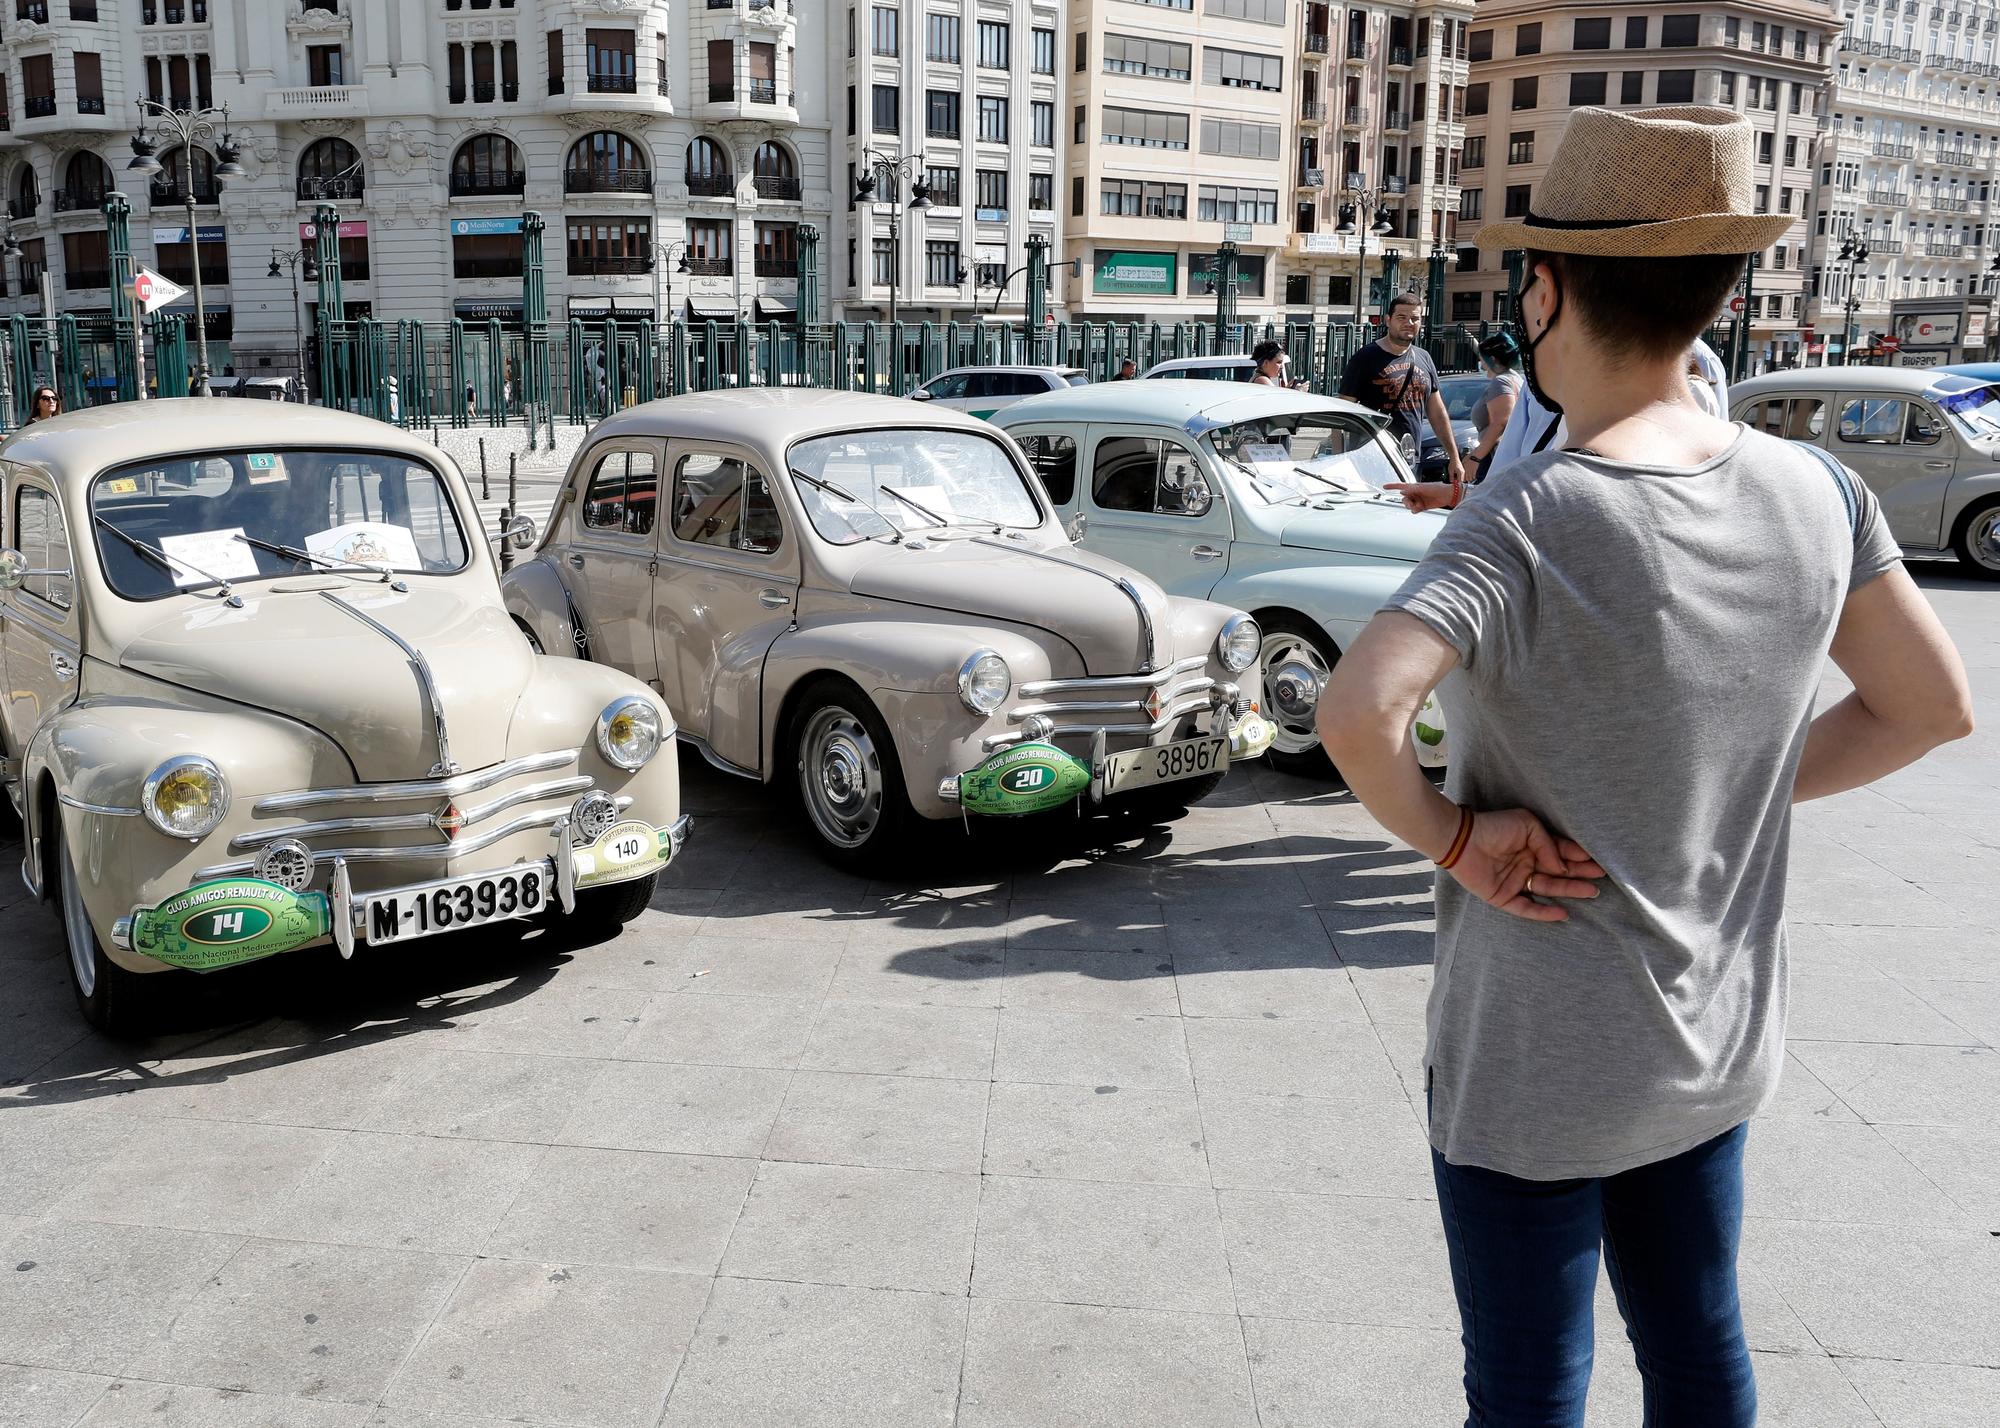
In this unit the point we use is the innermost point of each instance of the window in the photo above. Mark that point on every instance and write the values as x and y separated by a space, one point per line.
1528 39
941 113
1137 198
992 119
483 255
1592 34
1472 204
721 71
1042 192
1521 148
1793 418
1732 31
1219 204
1680 32
941 269
1235 139
1635 32
725 503
89 83
1482 45
884 256
1517 200
1043 114
943 184
1045 51
886 31
1147 128
1525 91
991 192
1886 421
624 494
1261 12
175 262
1674 86
1475 152
888 109
1791 153
40 537
1053 460
711 243
323 65
1148 476
612 246
611 61
1156 59
993 41
1630 84
776 250
1725 88
1082 51
941 38
1764 142
1238 69
1076 196
1475 99
1586 88
1465 306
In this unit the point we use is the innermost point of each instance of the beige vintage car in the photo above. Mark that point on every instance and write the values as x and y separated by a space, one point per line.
871 598
262 694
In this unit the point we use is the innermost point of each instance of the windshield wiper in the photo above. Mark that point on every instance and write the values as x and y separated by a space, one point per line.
168 562
840 495
941 522
329 562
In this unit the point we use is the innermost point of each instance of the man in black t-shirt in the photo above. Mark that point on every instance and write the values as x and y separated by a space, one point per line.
1395 376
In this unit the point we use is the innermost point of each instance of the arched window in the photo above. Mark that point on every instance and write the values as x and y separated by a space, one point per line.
487 163
330 168
708 170
170 184
607 162
27 195
777 171
85 182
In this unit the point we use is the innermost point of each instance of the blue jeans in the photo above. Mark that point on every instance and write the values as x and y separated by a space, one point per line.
1524 1263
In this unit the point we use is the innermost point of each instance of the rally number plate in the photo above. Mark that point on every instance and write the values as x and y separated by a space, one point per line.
1166 763
453 903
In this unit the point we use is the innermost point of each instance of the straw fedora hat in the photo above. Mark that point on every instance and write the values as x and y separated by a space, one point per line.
1671 182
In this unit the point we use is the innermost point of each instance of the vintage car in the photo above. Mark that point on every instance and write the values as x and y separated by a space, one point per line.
262 694
869 598
1926 441
1264 499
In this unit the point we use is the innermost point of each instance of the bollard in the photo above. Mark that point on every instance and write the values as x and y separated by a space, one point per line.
513 495
485 490
506 546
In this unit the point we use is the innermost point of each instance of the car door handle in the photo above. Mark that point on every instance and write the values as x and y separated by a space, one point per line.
576 562
1938 465
1207 552
63 665
773 599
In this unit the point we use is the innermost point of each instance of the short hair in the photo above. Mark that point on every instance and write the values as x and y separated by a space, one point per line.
1634 306
1403 299
1266 350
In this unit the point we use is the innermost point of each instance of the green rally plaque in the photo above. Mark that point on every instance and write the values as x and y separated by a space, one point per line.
1025 779
230 921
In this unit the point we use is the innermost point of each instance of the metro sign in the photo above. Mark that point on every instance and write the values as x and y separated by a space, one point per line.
154 292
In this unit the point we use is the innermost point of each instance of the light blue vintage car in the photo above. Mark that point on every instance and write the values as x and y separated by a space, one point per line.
1257 497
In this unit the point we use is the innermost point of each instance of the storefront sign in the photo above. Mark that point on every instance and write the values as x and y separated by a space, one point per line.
1236 233
1336 243
214 233
468 227
349 228
1155 274
1249 272
1927 329
479 310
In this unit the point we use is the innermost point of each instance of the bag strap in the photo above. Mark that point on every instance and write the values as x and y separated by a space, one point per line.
1548 435
1844 481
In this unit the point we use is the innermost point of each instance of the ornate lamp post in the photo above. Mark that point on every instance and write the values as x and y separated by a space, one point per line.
185 128
1853 252
9 249
665 253
1362 205
297 260
910 169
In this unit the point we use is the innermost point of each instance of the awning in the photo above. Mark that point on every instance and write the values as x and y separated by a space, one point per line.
706 306
777 309
590 309
633 309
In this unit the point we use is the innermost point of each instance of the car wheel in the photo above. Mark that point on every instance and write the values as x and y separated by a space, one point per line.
1976 542
109 997
610 908
849 779
1296 659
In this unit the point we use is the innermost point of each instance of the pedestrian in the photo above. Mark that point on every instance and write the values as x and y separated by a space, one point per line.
1656 597
44 404
1270 359
1128 370
1498 355
1395 376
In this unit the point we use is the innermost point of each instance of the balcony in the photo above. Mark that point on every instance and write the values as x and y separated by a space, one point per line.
1939 248
1312 178
776 267
343 186
711 185
488 185
168 193
1895 151
1946 205
1399 57
763 91
708 267
774 186
1318 44
317 101
607 180
1957 158
613 84
78 200
721 92
39 106
1890 246
36 10
1312 111
1355 117
1354 180
1357 50
1396 121
630 265
1888 198
20 208
90 104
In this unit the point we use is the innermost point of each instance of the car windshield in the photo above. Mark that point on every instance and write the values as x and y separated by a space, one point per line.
1461 395
865 484
1976 411
1308 455
183 523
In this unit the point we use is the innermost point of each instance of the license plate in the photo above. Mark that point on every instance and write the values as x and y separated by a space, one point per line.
1165 763
453 903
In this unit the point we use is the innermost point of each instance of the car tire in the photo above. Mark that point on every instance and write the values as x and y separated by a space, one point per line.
109 997
1976 541
1164 802
1294 647
848 778
610 908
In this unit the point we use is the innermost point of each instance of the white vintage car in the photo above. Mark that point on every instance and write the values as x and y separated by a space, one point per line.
1256 497
262 694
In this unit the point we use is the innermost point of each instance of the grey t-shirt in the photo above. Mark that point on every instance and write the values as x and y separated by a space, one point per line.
1639 649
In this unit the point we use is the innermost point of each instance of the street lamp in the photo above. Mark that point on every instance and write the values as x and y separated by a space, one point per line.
665 253
1441 256
186 128
303 259
910 169
1853 252
1363 204
9 248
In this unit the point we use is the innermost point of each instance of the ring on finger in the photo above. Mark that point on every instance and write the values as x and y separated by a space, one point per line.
1530 888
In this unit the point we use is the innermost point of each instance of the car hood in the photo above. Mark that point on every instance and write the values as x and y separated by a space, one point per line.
1067 592
1373 528
292 651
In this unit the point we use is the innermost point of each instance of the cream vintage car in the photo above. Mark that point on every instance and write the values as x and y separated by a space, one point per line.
871 598
262 694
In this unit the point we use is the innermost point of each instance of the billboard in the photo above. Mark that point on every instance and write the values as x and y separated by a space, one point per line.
210 233
1927 329
1152 274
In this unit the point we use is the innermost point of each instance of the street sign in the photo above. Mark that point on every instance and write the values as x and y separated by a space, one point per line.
153 291
1736 304
1236 233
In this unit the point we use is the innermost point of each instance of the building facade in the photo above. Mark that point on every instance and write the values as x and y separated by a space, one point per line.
1906 165
1534 61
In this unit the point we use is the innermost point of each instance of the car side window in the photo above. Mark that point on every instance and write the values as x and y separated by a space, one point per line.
1053 460
1920 428
1873 421
1019 384
624 493
1146 475
946 389
1793 418
42 540
727 503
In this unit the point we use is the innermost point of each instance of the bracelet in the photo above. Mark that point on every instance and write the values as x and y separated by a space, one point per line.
1457 849
1457 495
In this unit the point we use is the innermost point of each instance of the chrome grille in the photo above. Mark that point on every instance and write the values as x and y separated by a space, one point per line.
1118 704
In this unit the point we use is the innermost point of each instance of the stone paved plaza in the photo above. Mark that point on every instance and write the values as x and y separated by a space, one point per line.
1091 1125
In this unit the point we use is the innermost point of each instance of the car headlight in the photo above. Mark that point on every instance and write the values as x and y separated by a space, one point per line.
628 732
1238 643
983 681
185 797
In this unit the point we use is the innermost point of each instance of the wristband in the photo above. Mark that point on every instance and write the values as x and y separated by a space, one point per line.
1457 849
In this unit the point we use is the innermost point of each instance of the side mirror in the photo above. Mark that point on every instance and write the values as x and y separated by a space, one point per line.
1198 498
920 395
518 533
14 571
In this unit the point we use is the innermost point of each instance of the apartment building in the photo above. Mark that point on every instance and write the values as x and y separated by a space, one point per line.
1906 165
1533 61
952 111
648 134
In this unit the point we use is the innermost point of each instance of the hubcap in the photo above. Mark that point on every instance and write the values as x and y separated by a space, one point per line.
840 771
76 927
1983 539
1294 675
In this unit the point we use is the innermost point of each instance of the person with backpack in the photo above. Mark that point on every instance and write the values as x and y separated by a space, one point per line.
1628 633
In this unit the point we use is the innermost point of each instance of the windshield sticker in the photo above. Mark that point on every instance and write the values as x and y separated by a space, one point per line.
122 486
264 469
367 543
222 555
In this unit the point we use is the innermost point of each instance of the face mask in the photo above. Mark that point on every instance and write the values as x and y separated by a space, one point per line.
1528 344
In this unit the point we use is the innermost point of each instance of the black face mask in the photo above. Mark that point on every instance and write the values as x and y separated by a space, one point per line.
1528 344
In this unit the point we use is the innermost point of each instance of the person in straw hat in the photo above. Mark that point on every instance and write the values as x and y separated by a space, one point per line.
1627 633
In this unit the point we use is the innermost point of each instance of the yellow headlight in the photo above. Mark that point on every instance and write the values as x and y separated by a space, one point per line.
186 797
